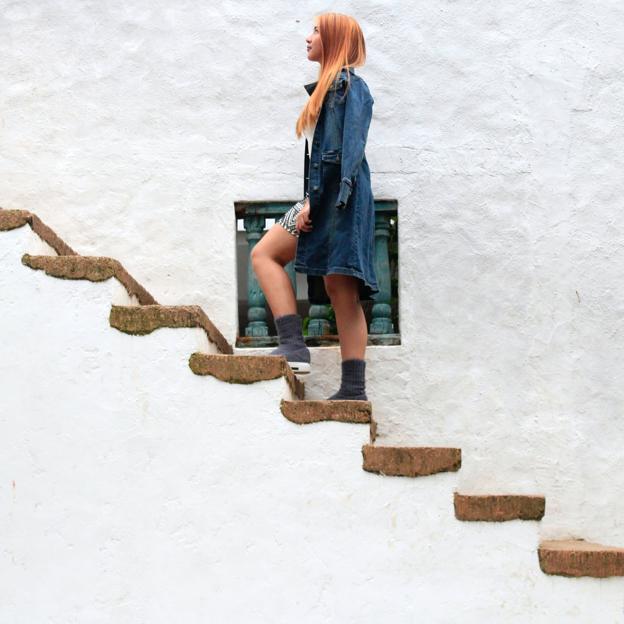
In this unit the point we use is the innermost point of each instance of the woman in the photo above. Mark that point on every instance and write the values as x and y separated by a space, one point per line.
329 233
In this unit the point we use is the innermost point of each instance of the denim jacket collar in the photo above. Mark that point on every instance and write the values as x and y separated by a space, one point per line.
343 74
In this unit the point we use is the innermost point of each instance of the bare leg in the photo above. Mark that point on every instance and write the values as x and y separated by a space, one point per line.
274 251
269 257
350 319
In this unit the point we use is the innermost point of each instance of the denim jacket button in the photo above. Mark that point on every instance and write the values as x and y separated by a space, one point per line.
315 188
315 165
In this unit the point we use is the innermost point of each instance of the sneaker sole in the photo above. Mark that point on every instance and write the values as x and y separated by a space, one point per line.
301 368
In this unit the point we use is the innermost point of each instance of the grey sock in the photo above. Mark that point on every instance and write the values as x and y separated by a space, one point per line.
352 386
292 344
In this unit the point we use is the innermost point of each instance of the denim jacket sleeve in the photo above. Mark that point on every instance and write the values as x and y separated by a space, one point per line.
357 118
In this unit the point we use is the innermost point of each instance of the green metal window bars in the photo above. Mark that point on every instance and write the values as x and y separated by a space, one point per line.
319 323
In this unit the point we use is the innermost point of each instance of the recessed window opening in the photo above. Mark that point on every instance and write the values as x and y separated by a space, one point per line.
256 327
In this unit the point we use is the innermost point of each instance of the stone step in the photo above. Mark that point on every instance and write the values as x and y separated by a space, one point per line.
305 412
400 461
373 429
498 507
580 558
12 219
92 268
246 369
145 319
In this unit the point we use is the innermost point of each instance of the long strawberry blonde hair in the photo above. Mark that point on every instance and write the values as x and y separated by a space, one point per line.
342 45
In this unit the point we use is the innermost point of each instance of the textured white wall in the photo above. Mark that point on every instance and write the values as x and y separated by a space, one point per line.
134 491
131 128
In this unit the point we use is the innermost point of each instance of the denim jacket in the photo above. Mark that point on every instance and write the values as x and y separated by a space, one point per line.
337 180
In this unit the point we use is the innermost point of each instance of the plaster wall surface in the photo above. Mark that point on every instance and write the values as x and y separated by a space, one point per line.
131 129
135 491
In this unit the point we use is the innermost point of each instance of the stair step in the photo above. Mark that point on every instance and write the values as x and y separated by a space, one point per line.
92 268
498 507
246 369
305 412
580 558
12 219
410 461
147 318
373 430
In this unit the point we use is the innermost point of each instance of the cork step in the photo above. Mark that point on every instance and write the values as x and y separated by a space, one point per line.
12 219
147 318
373 429
305 412
580 558
92 268
410 461
498 507
246 369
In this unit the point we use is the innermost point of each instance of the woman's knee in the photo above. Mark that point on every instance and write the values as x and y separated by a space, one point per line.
342 288
261 255
267 249
257 254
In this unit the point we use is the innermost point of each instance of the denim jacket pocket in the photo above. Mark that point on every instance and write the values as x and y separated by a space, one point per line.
332 156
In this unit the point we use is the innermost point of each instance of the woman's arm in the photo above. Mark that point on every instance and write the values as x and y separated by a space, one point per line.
303 221
358 114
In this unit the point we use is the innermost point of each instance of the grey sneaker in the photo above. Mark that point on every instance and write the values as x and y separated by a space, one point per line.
292 345
298 358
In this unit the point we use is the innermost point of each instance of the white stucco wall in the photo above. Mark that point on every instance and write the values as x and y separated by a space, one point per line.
134 491
131 129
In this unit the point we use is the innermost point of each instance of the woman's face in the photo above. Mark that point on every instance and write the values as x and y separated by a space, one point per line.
313 41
